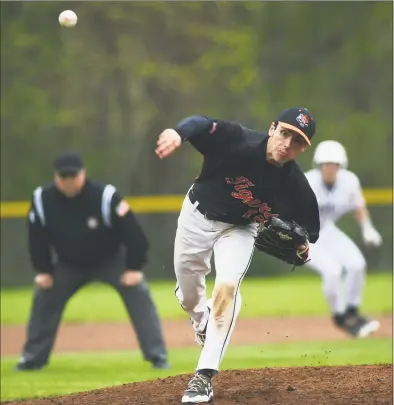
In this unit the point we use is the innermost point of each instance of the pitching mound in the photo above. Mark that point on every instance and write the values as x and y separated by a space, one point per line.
363 385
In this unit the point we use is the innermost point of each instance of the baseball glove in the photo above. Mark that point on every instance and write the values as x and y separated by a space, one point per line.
284 240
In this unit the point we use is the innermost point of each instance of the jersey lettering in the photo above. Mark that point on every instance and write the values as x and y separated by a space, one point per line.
242 192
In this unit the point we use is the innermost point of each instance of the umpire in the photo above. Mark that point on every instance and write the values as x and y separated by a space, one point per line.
92 234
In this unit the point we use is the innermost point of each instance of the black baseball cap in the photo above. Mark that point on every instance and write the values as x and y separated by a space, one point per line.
300 121
68 164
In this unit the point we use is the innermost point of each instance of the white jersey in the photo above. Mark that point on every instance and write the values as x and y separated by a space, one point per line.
345 195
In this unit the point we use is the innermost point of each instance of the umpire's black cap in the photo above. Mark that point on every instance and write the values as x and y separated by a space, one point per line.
68 164
299 120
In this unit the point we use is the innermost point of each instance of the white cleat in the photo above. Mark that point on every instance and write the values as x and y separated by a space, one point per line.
370 326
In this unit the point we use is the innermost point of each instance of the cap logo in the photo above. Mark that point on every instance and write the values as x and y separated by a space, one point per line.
303 120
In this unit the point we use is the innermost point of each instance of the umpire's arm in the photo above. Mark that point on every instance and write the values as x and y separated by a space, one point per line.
130 232
39 245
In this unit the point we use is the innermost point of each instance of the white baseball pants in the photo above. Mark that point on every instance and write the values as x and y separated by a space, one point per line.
197 238
342 267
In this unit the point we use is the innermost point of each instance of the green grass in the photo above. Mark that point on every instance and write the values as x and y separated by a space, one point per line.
70 373
290 295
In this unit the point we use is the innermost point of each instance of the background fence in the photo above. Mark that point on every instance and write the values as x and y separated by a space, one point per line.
129 69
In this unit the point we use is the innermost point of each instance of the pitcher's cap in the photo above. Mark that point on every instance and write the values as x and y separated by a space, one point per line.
300 121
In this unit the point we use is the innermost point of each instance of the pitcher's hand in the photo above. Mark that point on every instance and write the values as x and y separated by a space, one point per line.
169 140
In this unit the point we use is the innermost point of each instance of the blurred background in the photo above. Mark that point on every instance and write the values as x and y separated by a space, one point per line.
108 86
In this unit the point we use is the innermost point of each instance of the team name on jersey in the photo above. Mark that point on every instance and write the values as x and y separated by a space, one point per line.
259 211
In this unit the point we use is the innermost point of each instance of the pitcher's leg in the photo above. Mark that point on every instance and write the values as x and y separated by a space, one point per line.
192 262
190 270
233 255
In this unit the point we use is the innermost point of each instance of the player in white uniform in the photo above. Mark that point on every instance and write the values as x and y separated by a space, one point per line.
335 256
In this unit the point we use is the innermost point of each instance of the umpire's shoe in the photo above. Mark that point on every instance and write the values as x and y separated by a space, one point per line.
28 366
199 390
161 364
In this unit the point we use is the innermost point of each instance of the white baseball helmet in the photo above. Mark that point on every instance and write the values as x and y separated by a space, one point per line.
330 152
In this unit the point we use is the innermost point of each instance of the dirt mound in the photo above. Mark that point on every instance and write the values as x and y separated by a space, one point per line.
361 385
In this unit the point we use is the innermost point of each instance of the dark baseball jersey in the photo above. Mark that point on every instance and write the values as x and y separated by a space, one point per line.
84 231
237 184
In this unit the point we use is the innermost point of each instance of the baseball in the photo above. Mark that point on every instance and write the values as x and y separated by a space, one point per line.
68 18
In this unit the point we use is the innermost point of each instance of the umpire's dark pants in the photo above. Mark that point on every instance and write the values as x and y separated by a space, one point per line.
48 306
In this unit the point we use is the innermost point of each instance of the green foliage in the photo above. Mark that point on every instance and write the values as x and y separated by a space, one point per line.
108 86
128 70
